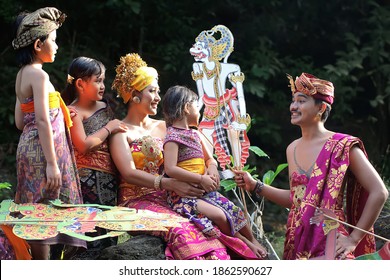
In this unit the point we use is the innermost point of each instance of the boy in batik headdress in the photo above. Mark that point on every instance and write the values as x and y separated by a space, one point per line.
322 164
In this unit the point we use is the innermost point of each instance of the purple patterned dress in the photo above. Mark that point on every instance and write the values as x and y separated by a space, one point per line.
191 158
31 165
325 189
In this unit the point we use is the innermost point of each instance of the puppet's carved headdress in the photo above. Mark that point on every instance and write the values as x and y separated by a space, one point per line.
220 48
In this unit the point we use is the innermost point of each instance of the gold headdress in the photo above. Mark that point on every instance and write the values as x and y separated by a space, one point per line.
311 85
37 24
132 74
292 84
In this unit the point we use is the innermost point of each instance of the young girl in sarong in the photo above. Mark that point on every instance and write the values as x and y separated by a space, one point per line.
93 123
187 159
46 168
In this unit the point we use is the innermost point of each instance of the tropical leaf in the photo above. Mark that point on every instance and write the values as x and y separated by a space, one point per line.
228 184
259 152
5 185
270 175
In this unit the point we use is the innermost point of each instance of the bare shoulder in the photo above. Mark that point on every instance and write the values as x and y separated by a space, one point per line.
359 163
38 78
160 124
159 128
28 79
356 154
36 73
291 146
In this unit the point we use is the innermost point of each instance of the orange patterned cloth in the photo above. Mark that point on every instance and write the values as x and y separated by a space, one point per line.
55 101
20 246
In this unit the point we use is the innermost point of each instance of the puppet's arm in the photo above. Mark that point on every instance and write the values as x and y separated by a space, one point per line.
197 76
237 78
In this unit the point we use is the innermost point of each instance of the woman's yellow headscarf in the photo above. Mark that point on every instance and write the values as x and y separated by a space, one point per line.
132 74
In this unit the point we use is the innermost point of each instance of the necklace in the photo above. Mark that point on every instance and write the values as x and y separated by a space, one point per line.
300 169
211 72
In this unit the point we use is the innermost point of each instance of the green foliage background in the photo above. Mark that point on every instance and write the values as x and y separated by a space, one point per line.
346 42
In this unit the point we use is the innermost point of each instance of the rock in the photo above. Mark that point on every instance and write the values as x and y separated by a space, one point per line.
141 247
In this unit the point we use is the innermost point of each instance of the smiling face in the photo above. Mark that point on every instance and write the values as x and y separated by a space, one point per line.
303 109
150 97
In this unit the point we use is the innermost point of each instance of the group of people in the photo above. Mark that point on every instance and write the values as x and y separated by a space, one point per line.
80 153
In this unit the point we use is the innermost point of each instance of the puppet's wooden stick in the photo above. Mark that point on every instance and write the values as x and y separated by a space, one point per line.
352 226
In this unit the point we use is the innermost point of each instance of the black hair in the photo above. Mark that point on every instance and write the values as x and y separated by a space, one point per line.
81 68
174 101
326 113
25 55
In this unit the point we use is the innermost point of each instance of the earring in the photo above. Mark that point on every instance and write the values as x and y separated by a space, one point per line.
136 99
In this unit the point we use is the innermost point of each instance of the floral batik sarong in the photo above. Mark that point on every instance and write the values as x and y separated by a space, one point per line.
31 162
185 242
325 189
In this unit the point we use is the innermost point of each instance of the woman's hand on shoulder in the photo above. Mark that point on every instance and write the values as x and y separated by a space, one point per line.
116 125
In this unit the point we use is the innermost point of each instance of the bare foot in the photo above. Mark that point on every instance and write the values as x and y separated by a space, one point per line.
258 249
253 244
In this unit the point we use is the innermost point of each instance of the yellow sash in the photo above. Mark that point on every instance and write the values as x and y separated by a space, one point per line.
195 165
55 101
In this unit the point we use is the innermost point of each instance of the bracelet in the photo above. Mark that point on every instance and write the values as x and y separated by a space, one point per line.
157 182
109 132
258 188
201 178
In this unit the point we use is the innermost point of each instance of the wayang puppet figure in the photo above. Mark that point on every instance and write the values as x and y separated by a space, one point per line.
224 120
